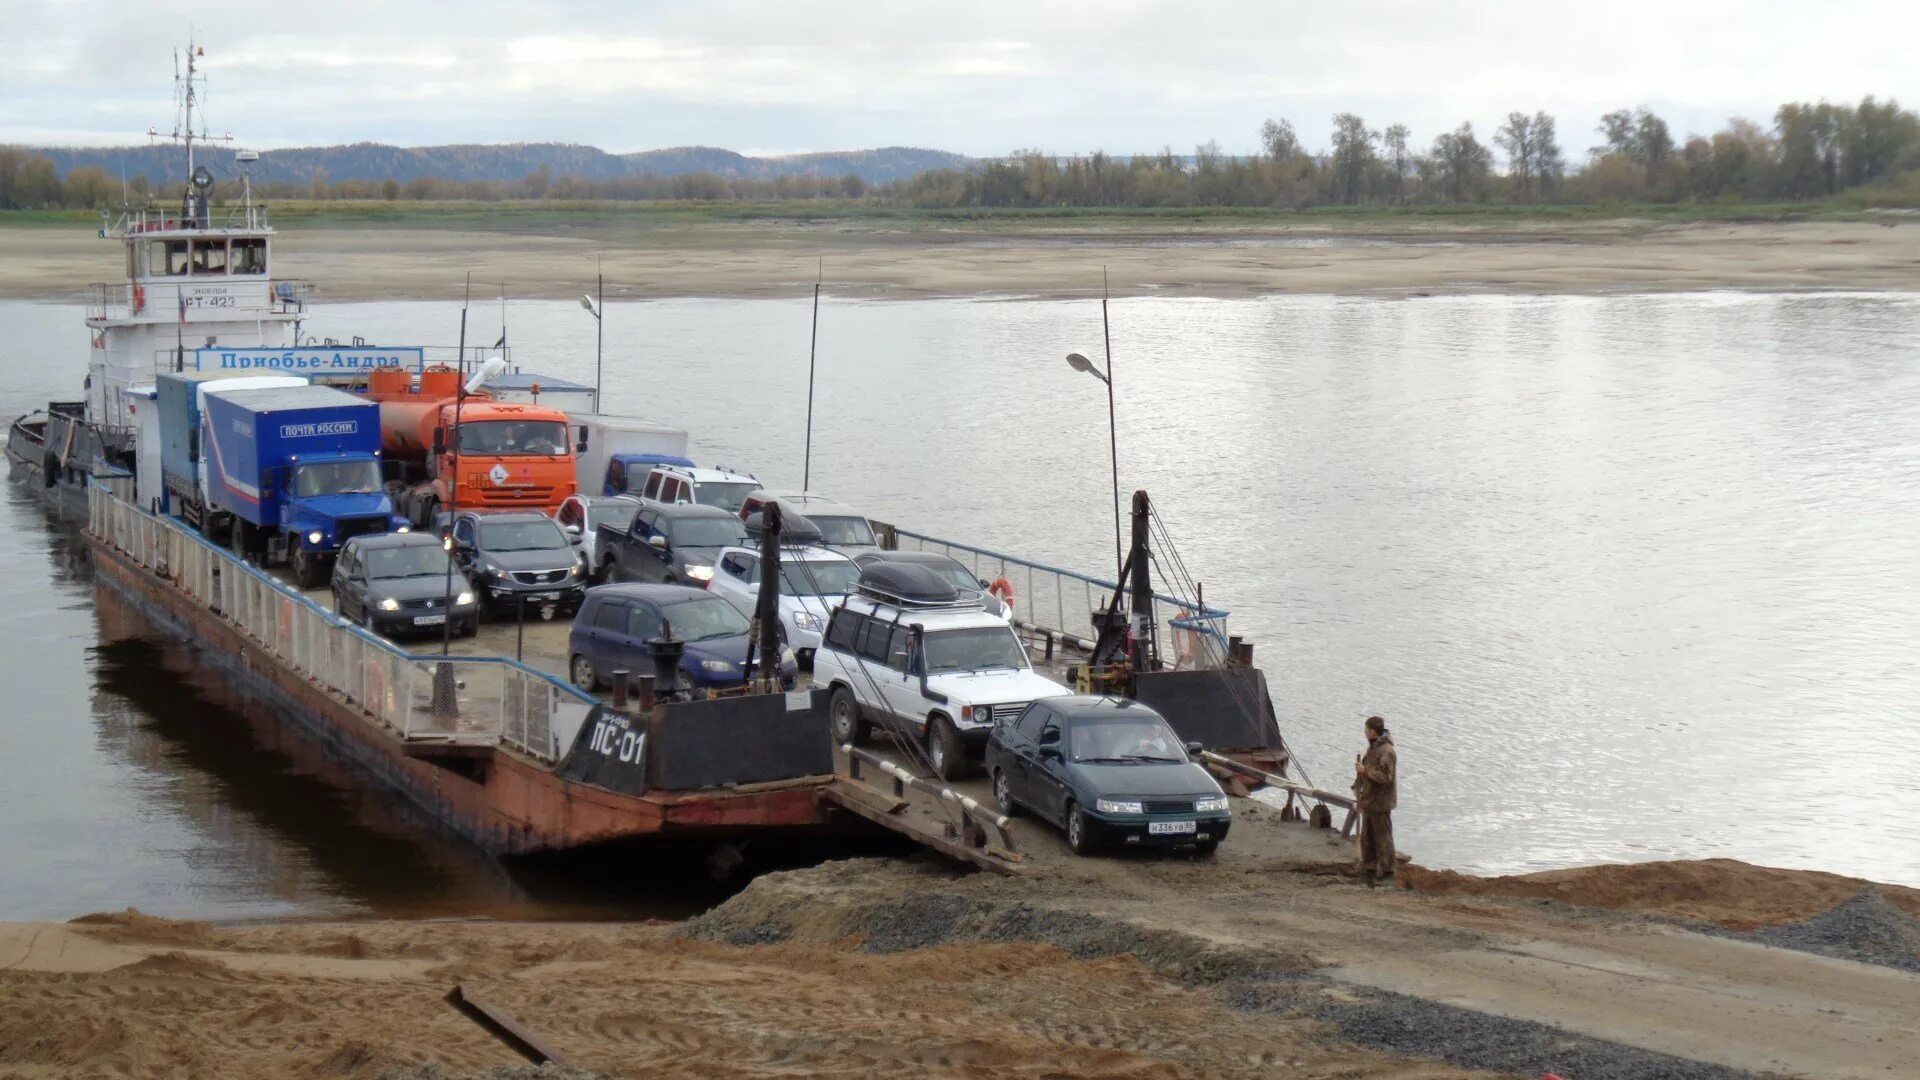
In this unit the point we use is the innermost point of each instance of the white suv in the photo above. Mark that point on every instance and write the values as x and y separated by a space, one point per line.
813 581
723 488
842 528
908 653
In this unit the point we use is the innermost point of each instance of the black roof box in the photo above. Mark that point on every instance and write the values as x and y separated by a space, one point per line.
795 531
907 584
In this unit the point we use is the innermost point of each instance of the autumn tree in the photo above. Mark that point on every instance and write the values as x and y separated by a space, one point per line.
1353 158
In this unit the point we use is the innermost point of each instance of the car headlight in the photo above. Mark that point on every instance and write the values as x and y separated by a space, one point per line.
575 570
463 599
316 536
389 604
700 573
496 571
1212 804
403 529
718 667
1117 806
807 621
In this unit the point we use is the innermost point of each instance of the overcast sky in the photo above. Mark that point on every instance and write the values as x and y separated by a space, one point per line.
974 76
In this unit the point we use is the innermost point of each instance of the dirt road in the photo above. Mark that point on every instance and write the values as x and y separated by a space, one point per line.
873 259
1258 962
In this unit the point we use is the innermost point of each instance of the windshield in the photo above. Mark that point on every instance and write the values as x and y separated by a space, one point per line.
822 578
619 515
545 438
411 561
845 530
1143 739
974 649
704 619
336 478
707 532
727 496
521 536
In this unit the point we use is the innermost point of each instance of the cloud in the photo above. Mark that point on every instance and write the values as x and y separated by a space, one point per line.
983 77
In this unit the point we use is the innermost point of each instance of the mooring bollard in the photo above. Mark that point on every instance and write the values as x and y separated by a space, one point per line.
644 691
620 688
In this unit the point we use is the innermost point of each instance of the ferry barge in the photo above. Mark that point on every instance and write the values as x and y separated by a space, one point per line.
501 749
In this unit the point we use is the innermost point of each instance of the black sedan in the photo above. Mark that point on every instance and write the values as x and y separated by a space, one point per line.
1109 772
397 583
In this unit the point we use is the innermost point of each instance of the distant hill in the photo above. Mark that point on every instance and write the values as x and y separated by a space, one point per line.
504 161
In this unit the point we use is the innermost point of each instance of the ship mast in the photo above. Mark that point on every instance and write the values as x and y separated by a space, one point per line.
187 92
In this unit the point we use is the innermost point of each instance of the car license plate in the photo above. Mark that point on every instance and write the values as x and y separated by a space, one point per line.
543 596
429 620
1169 828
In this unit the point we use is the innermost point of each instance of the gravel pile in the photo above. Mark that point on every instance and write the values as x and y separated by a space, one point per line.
1866 929
919 921
1474 1040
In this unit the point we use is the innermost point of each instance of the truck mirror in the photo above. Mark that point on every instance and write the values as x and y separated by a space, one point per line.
581 446
439 441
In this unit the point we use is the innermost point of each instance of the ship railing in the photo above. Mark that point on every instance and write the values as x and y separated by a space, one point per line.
161 299
151 219
454 700
1056 605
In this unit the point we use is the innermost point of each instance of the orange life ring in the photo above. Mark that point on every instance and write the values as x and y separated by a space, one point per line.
1003 589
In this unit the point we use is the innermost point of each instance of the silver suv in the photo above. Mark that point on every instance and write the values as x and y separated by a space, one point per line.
723 488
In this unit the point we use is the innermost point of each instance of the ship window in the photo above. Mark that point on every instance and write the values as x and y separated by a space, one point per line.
210 257
167 258
250 255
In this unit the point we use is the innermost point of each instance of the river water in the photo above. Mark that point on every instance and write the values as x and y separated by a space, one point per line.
1632 577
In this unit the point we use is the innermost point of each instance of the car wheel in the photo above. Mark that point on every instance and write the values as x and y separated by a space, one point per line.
1078 837
1206 848
944 751
1003 794
844 714
581 669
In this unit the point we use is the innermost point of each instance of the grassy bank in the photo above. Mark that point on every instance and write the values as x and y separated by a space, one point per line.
543 215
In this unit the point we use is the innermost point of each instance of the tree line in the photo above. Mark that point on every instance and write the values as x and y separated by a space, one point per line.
1810 152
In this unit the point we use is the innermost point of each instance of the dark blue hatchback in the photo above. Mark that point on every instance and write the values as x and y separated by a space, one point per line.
615 622
1110 772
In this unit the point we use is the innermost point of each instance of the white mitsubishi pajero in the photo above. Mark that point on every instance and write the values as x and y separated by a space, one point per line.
904 651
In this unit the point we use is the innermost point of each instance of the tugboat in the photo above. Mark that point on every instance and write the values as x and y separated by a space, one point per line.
198 276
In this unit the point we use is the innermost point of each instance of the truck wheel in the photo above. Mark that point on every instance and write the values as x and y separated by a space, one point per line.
944 750
843 713
306 569
429 508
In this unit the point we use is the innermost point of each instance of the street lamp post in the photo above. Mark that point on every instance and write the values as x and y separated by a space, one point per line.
596 306
1080 363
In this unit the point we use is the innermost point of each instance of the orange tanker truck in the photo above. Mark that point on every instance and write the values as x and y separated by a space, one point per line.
508 456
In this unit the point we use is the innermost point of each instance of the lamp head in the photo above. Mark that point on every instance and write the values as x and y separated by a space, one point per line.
587 302
1081 363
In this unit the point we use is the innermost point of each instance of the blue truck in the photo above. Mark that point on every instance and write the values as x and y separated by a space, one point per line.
297 468
183 476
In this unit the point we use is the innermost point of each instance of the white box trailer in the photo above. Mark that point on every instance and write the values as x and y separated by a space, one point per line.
609 437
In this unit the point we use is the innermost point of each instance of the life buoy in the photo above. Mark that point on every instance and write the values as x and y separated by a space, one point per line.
1003 589
139 299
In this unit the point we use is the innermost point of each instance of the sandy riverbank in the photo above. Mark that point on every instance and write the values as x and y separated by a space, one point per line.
1109 968
733 259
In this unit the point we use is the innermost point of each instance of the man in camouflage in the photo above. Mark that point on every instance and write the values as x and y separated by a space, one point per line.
1376 776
